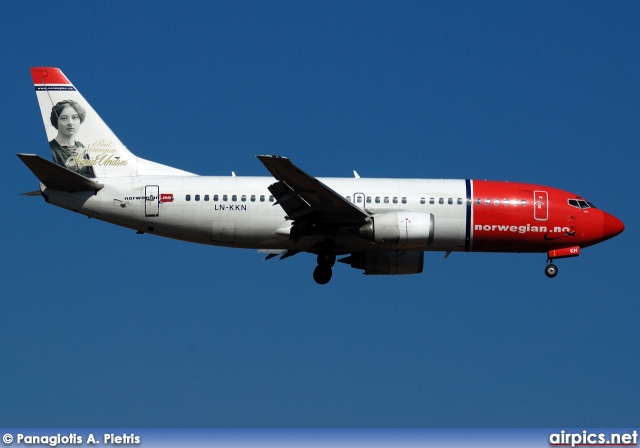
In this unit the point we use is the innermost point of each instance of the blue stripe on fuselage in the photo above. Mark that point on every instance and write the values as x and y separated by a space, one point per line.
467 235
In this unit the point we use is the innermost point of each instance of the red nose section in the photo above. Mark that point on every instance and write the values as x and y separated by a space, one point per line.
611 226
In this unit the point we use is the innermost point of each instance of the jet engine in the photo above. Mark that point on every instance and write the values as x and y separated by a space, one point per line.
404 229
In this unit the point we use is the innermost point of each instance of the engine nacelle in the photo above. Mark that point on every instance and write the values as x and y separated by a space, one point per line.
404 229
392 262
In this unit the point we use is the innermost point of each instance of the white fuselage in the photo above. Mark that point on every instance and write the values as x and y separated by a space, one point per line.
240 211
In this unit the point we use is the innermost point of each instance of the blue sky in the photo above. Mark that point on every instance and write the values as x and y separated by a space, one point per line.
103 327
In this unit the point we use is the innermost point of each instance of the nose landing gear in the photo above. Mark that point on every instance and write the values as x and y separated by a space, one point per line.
322 273
551 270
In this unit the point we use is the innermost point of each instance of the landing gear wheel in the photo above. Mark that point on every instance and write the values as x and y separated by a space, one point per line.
551 270
322 275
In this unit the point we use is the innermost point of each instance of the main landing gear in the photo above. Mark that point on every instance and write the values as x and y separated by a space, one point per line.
322 273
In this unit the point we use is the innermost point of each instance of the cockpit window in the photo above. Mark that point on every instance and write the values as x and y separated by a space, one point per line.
581 204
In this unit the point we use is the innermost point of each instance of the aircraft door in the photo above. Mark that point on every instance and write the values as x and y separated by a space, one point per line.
358 199
540 205
151 200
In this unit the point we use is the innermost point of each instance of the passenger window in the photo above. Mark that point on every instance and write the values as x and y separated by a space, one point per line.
359 199
261 198
478 201
496 202
215 197
197 197
523 202
432 201
377 199
188 197
244 198
422 200
349 198
271 198
487 201
404 200
441 201
395 200
450 201
368 199
206 197
386 199
253 198
234 198
459 201
224 197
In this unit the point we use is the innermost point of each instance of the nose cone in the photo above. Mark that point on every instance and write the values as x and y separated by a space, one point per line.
611 226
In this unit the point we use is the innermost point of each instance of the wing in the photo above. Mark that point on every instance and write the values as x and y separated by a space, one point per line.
305 199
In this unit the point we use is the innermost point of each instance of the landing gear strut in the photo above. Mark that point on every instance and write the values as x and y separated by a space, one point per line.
322 273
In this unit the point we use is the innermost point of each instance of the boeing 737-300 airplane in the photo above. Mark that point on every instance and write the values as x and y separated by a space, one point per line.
381 226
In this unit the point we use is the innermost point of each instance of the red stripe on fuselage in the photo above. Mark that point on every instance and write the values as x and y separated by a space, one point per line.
530 218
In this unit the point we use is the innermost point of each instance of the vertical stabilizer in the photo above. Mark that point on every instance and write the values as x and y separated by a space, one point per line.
78 138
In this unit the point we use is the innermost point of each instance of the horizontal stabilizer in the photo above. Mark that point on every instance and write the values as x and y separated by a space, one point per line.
57 177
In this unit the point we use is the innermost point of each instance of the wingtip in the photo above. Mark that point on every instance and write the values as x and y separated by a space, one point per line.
32 193
270 156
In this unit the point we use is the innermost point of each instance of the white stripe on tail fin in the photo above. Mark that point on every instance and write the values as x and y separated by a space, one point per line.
78 138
